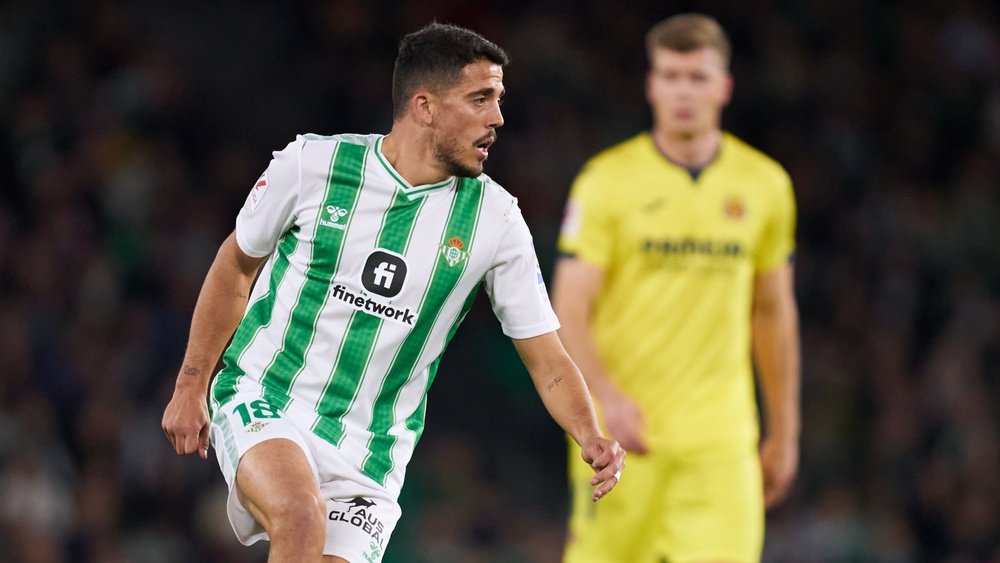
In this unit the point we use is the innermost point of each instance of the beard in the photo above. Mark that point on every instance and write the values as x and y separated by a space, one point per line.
447 153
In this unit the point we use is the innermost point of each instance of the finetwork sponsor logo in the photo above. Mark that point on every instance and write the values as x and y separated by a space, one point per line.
397 314
357 514
333 217
384 273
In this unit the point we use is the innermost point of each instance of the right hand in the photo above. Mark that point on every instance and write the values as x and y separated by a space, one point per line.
624 420
607 458
185 421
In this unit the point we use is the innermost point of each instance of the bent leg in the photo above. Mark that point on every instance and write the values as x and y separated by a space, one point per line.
276 485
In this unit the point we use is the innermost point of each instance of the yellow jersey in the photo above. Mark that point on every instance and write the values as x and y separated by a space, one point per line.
679 253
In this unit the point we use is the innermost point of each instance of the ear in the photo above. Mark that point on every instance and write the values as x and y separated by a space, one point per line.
728 92
422 107
649 86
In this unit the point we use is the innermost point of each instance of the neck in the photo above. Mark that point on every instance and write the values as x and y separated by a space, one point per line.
689 151
411 152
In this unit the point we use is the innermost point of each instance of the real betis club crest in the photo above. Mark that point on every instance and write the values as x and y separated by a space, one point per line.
453 252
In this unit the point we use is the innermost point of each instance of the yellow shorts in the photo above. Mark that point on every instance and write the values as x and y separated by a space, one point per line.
704 505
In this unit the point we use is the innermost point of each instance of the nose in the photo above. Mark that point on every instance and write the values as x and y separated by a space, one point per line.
496 117
687 88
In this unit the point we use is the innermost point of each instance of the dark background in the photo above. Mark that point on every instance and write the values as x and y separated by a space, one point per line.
130 134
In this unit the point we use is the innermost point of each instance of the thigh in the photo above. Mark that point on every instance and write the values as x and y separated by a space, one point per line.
621 527
238 428
250 435
715 506
275 478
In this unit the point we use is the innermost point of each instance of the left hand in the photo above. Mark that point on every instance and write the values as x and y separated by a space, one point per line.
779 461
608 459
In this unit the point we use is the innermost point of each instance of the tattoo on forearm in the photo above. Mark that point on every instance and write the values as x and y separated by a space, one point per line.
554 383
188 370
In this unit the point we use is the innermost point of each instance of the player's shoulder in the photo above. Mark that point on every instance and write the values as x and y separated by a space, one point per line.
494 193
305 141
616 173
619 156
345 138
497 201
301 140
752 162
315 150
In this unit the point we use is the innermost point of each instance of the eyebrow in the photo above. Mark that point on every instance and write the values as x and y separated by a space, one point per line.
485 92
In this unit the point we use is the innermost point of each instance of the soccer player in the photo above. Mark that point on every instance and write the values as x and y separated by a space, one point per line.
370 250
675 270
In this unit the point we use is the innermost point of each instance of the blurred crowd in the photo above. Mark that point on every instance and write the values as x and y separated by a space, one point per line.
130 134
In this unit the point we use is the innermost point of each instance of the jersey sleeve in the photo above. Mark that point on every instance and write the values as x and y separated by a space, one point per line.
515 285
269 210
778 238
587 228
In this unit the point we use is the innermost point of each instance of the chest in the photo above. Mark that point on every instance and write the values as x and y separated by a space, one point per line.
687 210
379 246
709 223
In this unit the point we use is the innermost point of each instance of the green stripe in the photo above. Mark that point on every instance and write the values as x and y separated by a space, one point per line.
415 422
359 342
343 187
461 223
256 318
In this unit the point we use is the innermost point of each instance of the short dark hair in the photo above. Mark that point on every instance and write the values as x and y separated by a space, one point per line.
688 32
434 56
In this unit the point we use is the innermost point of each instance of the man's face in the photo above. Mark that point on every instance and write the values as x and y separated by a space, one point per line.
468 115
687 91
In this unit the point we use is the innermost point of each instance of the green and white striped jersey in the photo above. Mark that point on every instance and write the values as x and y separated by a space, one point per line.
367 279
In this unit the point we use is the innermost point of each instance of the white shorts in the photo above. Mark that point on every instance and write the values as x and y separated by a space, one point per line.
360 516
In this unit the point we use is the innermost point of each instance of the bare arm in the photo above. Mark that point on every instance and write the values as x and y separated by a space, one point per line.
560 385
776 352
220 307
565 395
575 288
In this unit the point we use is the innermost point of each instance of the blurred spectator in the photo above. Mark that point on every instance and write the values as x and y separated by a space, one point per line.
131 133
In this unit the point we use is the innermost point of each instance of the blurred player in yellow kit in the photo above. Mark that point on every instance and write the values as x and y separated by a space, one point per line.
676 277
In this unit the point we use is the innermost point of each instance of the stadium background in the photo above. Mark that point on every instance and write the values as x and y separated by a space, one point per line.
130 134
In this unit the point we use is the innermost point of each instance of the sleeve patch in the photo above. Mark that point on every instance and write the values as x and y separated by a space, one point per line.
571 219
258 191
540 280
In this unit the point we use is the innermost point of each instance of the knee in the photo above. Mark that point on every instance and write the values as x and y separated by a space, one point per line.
299 514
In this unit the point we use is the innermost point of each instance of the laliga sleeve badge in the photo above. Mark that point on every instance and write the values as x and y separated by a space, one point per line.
572 218
540 280
257 193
